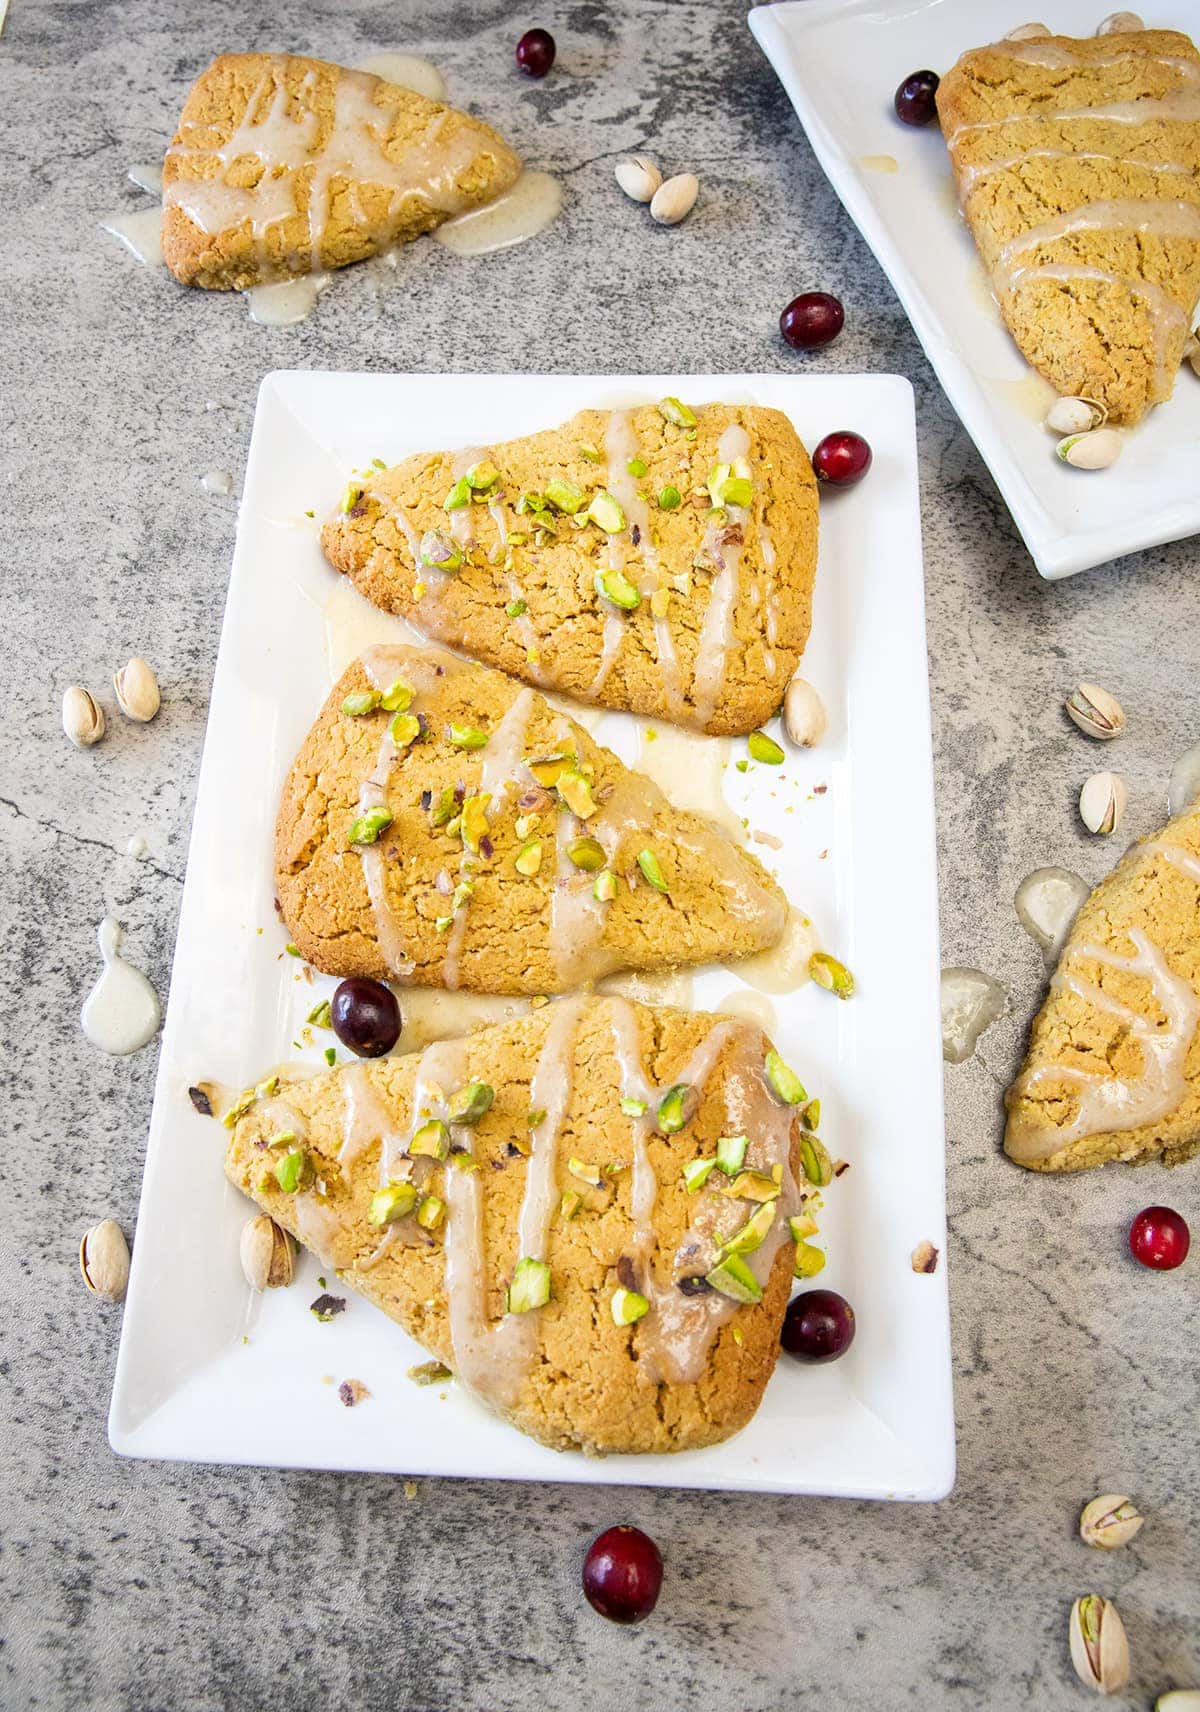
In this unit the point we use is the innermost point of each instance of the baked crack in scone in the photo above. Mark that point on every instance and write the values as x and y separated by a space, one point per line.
1113 1067
1078 168
658 559
517 1201
443 826
284 165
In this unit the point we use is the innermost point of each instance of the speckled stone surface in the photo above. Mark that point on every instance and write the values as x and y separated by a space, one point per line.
127 1585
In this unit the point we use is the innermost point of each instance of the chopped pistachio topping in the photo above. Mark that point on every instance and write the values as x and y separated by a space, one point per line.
674 1109
590 452
649 864
785 1081
605 512
565 496
727 487
431 1212
586 1173
367 828
360 702
443 923
294 1171
814 1156
320 1015
393 1202
398 696
605 886
517 608
528 859
459 495
764 748
443 807
733 1278
613 585
474 820
429 1373
468 737
754 1186
636 467
530 1287
811 1115
633 1108
482 476
285 1138
432 1140
660 603
351 494
802 1225
461 894
669 498
576 791
331 1055
753 1233
292 950
627 1306
827 972
569 1205
809 1260
548 769
681 415
586 853
469 1104
404 729
696 1174
525 824
529 503
731 1153
440 551
535 1116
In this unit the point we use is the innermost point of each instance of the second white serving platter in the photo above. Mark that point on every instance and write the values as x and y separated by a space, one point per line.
841 62
209 1372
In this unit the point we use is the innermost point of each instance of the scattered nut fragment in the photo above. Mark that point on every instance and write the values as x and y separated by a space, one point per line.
429 1373
1102 802
137 690
104 1261
829 973
638 177
1099 1648
1094 451
268 1254
1097 713
352 1391
82 716
804 717
1119 23
1075 416
1027 33
674 199
924 1257
1109 1521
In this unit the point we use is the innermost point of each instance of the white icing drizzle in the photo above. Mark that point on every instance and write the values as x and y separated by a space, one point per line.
724 545
971 175
140 232
1058 54
366 1120
770 600
1135 216
1182 105
317 1226
1167 317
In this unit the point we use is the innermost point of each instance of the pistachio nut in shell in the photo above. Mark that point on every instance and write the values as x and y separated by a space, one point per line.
1075 416
104 1260
804 717
638 177
137 690
1095 450
1102 802
268 1254
1178 1700
1097 713
1109 1521
1099 1649
82 716
674 199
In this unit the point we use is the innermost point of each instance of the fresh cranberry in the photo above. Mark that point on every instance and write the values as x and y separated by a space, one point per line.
914 100
622 1574
1159 1238
842 458
365 1016
814 318
535 53
818 1326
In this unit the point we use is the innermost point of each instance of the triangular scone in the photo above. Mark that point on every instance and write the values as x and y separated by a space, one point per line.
1078 168
556 1172
513 855
1113 1068
658 559
284 165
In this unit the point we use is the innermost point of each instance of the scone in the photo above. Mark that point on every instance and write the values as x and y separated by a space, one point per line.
1078 168
1113 1067
659 560
443 826
516 1200
284 165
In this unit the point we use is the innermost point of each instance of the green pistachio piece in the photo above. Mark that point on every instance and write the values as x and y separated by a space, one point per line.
432 1140
517 608
285 1138
753 1233
801 1225
548 769
615 586
320 1016
731 1153
576 791
443 923
585 1172
351 494
569 1205
392 1203
808 1260
729 486
633 1108
462 892
444 807
675 1109
811 1115
469 1104
482 476
636 467
586 853
529 503
606 513
331 1055
468 737
530 1287
536 1115
294 1171
404 729
627 1306
671 410
785 1081
649 864
564 495
827 972
474 821
360 702
368 826
669 498
397 698
814 1156
764 748
605 886
733 1278
459 495
440 551
528 859
429 1373
696 1174
590 452
754 1186
431 1212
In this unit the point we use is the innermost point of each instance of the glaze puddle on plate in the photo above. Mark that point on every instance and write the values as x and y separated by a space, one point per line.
122 1012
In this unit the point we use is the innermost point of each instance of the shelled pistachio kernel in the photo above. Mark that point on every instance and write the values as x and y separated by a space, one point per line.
613 585
528 859
727 485
432 1140
633 1108
405 728
627 1306
474 820
394 1201
605 886
530 1287
1109 1521
459 495
586 1172
440 551
564 496
482 476
669 498
431 1212
764 748
827 972
675 1109
651 869
470 1103
294 1171
398 696
731 1153
360 702
801 1225
785 1081
586 853
811 1115
808 1260
267 1253
104 1260
751 1185
814 1157
696 1174
367 828
351 494
468 737
678 414
517 608
605 512
569 1206
576 791
733 1278
753 1233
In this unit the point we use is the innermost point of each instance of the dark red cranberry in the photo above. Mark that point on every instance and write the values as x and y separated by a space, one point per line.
818 1326
812 319
535 53
365 1016
1159 1238
622 1574
914 100
842 458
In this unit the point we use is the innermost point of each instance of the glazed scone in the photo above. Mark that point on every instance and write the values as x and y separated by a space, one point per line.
284 165
556 1174
665 603
515 854
1113 1067
1078 169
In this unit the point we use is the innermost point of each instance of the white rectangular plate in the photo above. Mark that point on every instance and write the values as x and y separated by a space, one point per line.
208 1372
840 62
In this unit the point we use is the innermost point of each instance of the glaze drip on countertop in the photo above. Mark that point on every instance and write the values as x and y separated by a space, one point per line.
122 1012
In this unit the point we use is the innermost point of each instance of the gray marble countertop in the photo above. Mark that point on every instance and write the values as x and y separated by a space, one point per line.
136 1585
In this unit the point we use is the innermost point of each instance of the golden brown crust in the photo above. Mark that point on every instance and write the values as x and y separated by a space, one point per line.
588 1387
566 616
454 162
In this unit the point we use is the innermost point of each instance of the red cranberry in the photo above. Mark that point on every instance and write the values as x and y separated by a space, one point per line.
842 458
814 318
1159 1238
365 1016
914 100
818 1326
535 53
622 1574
